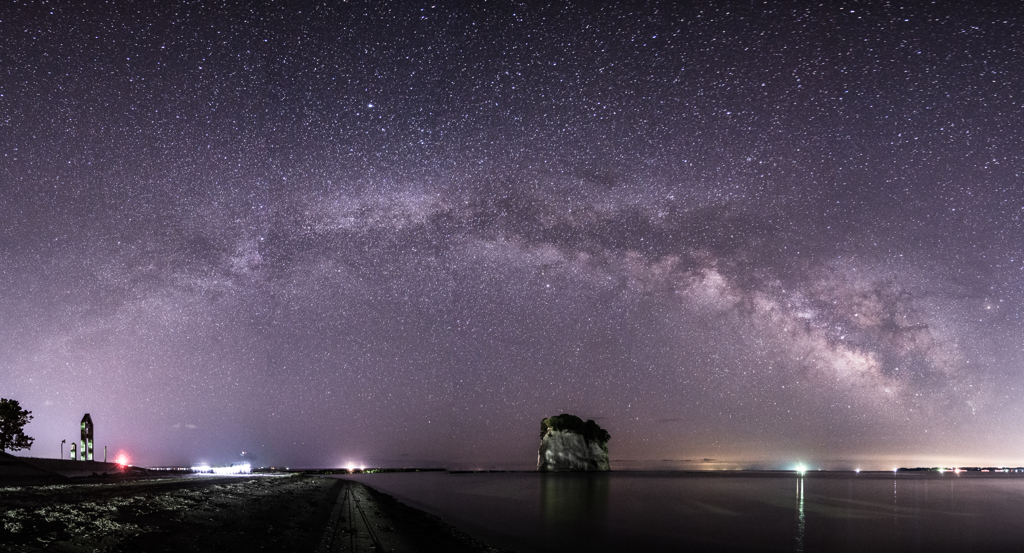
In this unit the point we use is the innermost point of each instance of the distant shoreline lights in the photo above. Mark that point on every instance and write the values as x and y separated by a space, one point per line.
240 468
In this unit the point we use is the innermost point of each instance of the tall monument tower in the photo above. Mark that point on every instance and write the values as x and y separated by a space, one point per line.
86 451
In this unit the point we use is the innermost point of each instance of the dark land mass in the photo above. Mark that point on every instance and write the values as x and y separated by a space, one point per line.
216 514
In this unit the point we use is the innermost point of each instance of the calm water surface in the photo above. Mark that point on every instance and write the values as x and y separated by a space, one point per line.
734 511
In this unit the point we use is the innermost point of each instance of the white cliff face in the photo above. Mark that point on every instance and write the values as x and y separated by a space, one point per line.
562 450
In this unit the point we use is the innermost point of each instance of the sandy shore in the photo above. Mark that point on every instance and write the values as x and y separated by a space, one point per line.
222 514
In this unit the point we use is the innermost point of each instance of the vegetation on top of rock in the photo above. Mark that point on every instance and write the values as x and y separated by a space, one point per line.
590 431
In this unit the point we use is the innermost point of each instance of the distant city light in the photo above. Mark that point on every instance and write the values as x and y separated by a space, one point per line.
857 470
238 468
241 468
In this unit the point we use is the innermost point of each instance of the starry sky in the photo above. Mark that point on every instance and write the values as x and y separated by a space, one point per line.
401 233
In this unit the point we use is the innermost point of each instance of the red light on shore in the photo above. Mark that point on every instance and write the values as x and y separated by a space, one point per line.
122 459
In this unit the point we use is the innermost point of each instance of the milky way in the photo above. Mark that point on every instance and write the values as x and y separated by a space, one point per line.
401 234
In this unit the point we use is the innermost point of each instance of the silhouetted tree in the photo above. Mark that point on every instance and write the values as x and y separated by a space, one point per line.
12 423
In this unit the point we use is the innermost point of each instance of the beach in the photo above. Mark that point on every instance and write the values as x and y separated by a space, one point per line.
218 513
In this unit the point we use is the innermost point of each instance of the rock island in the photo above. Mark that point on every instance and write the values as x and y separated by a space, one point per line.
569 444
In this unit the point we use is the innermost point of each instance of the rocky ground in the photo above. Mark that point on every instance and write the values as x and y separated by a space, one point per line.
223 514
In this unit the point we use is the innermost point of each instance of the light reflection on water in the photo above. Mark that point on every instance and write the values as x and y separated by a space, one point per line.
800 520
573 505
723 511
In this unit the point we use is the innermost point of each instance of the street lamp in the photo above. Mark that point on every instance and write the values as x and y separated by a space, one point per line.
62 448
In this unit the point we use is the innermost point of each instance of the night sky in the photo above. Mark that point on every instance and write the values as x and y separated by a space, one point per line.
400 233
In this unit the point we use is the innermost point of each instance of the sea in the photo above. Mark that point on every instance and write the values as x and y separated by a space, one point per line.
719 511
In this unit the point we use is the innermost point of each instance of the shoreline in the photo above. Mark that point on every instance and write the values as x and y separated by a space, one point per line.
367 519
336 513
